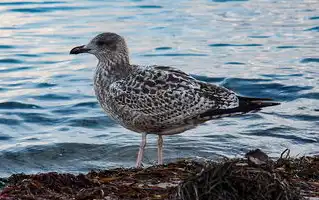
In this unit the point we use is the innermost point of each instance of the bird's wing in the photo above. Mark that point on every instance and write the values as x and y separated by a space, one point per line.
165 96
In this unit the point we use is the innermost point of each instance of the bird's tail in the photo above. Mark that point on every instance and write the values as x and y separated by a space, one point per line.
246 105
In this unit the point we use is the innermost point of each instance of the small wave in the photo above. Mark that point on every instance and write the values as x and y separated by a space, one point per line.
310 95
245 80
5 137
45 85
234 45
61 76
314 18
309 60
100 136
33 139
40 118
259 36
67 111
14 69
45 9
6 46
174 54
234 63
17 105
163 48
281 76
316 28
11 122
51 97
27 55
287 47
11 61
8 28
299 117
92 104
149 6
222 1
29 3
207 78
277 91
92 122
280 132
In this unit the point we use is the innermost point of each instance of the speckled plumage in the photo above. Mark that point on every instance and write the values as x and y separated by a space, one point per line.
157 99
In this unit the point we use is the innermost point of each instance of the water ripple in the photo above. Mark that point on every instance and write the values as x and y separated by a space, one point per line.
314 18
280 132
47 96
11 61
222 1
174 54
163 48
29 3
50 97
5 137
310 95
45 85
275 90
234 45
28 55
288 47
149 6
13 69
6 46
316 28
11 122
207 78
93 104
259 36
44 9
17 105
234 63
91 122
309 60
40 118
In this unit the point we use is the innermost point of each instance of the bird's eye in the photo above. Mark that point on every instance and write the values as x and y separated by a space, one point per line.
102 43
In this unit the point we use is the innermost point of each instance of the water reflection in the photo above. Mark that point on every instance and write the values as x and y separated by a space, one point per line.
49 114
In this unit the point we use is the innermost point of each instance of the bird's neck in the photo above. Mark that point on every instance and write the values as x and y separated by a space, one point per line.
109 71
118 67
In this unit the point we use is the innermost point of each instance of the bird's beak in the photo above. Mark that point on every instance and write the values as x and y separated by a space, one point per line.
80 49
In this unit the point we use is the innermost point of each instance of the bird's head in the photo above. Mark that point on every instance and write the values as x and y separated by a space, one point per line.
106 47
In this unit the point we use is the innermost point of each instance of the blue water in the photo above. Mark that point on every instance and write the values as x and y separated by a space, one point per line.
49 116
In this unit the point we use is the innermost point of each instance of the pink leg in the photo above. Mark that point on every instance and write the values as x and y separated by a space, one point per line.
160 150
141 151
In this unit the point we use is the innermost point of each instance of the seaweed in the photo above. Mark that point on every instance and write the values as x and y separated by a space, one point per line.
254 177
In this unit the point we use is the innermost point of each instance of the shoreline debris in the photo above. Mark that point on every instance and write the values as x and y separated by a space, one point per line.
254 177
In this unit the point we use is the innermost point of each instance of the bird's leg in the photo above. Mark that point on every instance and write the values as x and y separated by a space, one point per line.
141 151
160 150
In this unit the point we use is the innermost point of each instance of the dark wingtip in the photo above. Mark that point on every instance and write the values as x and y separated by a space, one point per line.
79 49
265 103
257 102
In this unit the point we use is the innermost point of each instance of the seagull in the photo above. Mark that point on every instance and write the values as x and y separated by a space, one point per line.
159 100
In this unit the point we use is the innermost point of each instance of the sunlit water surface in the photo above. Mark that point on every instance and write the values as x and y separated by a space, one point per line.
50 119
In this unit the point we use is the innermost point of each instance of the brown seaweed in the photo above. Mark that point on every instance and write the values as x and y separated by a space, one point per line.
254 177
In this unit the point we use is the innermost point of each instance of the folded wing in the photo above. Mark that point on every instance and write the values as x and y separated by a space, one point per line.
158 98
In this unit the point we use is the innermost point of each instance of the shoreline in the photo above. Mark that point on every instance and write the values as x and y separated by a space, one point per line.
254 176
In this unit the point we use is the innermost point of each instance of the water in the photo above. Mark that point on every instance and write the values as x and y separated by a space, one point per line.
49 116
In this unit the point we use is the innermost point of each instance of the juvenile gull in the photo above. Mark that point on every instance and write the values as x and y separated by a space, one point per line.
157 99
